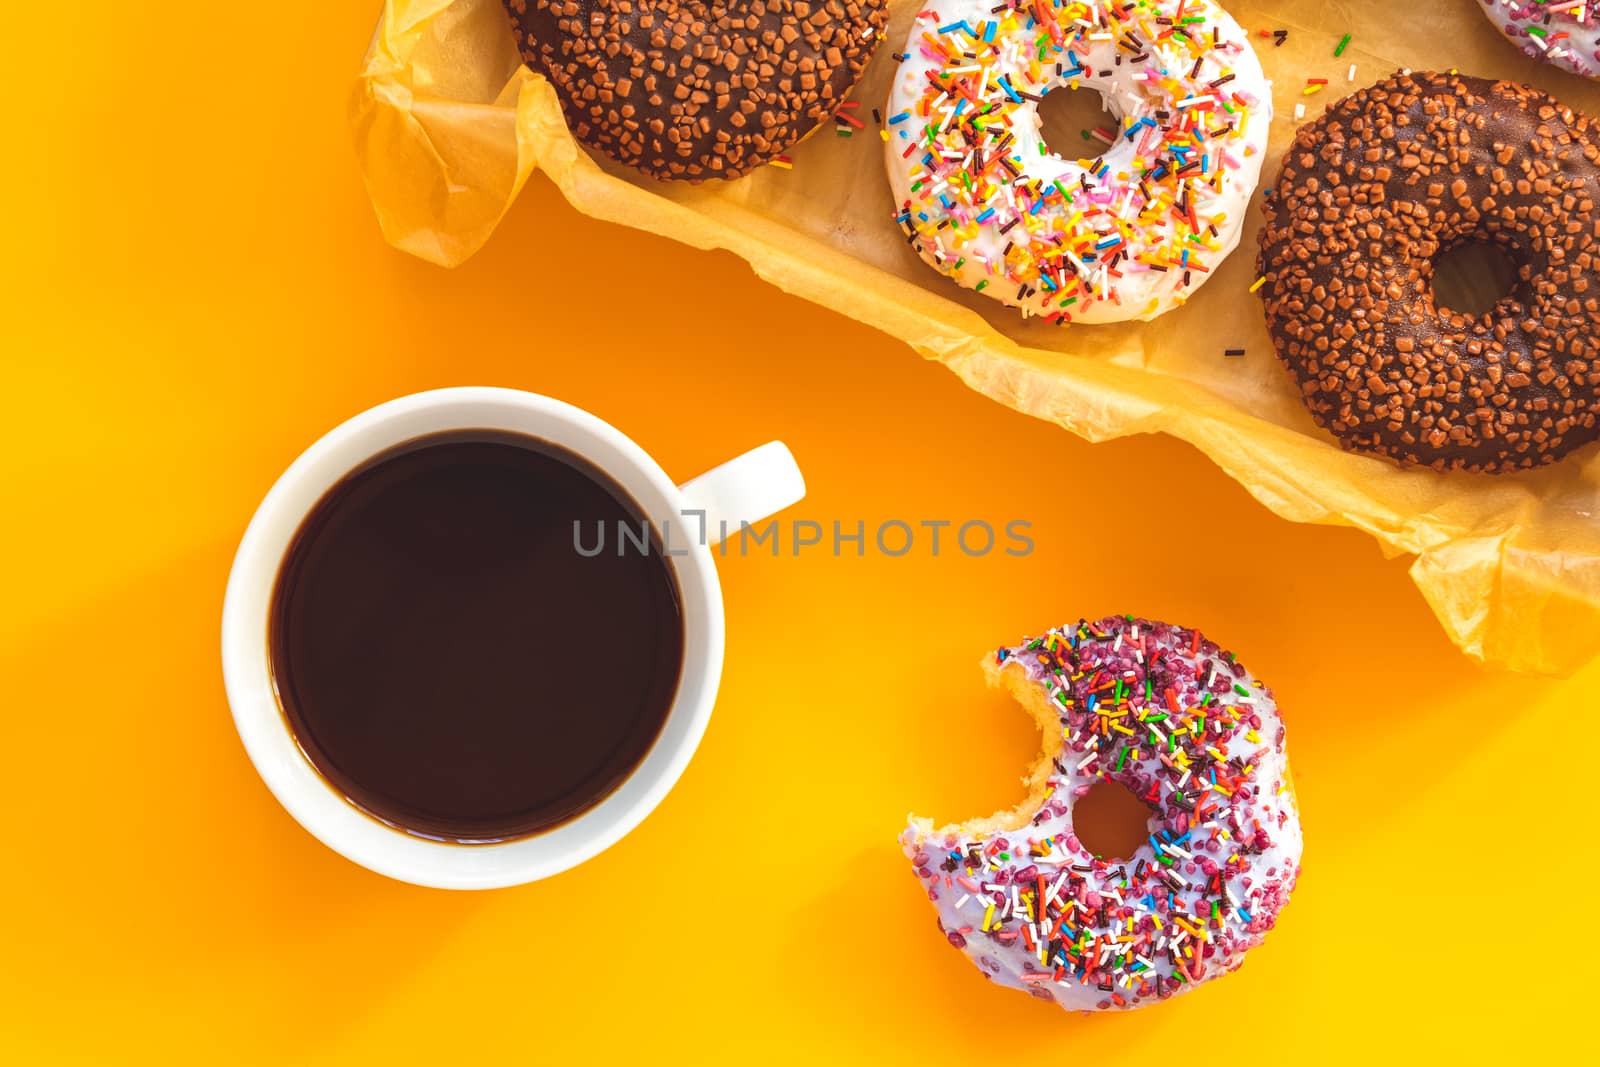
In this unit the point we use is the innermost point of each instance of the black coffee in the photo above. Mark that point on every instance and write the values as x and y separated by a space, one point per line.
450 662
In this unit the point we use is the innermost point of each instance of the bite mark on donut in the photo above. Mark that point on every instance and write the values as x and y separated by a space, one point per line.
1020 895
1037 779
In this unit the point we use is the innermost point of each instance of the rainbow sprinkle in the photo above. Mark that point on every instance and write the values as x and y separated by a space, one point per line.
1177 721
1563 32
1071 240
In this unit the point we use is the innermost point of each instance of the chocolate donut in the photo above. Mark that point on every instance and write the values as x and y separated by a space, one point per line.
687 90
1370 194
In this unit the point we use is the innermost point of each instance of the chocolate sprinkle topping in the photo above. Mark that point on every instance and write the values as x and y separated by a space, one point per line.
1370 195
687 90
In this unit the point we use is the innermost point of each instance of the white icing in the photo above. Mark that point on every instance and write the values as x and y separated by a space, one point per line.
1271 872
1565 33
1152 91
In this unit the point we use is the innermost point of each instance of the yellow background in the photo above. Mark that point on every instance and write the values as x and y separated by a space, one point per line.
193 288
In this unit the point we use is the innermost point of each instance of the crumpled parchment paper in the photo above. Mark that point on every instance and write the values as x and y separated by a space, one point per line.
449 125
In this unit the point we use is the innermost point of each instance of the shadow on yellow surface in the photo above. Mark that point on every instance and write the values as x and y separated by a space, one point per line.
176 873
199 292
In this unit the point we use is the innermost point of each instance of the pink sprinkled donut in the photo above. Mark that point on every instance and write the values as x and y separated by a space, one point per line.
1564 33
1176 720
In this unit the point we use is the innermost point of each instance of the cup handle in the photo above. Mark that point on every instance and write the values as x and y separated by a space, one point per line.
747 488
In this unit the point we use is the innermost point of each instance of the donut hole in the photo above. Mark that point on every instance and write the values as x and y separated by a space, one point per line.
1471 277
1110 821
1068 119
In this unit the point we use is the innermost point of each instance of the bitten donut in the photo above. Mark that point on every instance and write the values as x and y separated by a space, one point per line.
1565 33
1371 194
1179 722
689 90
1130 235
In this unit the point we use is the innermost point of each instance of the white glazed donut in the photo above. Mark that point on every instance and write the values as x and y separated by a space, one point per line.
1565 33
1176 720
1130 236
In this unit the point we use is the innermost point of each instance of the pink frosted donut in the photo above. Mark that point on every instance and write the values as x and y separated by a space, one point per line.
1181 724
1564 33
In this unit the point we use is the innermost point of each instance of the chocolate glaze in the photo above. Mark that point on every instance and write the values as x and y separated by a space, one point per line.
1369 196
689 90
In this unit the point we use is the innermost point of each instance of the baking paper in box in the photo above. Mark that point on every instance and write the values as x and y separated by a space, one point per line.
449 125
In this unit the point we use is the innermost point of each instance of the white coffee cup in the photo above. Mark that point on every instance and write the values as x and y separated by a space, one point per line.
748 489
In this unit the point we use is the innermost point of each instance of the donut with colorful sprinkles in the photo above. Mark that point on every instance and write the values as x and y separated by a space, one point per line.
1563 33
985 201
1172 717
